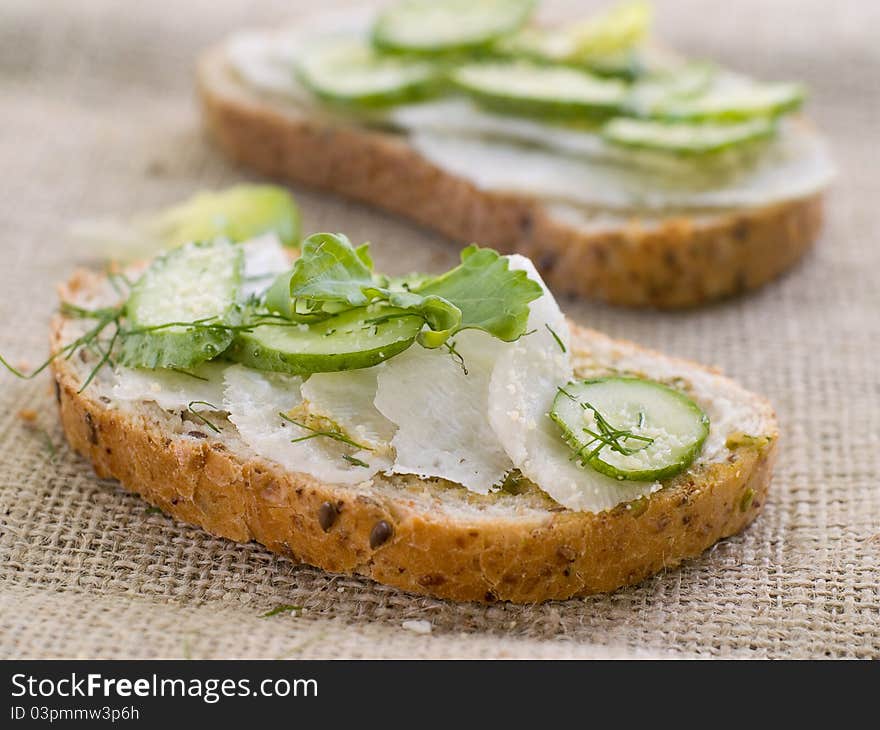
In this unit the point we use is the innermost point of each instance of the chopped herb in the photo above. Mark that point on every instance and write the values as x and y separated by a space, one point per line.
105 317
200 416
514 482
456 355
637 507
187 372
607 435
383 318
739 439
113 277
746 501
556 337
315 433
283 608
355 461
105 358
152 511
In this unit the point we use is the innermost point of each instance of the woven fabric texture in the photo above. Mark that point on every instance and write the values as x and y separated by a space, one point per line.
98 118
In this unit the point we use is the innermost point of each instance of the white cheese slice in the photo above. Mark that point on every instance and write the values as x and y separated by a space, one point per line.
346 398
171 390
254 399
266 62
463 118
441 413
794 165
264 259
521 393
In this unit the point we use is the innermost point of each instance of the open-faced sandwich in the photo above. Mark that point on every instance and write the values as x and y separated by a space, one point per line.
625 172
448 434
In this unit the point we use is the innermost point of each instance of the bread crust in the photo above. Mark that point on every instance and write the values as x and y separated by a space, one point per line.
554 555
678 262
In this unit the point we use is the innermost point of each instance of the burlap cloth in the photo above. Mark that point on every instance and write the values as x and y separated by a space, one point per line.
97 117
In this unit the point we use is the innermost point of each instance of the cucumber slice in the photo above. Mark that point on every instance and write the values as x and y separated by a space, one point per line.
685 139
438 26
238 213
531 88
607 40
351 72
671 86
659 430
196 283
626 65
740 102
545 46
618 29
354 339
535 44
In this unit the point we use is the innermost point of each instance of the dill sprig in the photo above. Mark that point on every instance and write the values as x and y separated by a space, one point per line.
105 358
106 316
354 461
114 277
316 433
283 608
198 415
456 355
215 324
607 435
556 337
383 318
192 375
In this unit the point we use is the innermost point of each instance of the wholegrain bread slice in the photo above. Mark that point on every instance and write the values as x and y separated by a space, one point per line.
424 536
678 260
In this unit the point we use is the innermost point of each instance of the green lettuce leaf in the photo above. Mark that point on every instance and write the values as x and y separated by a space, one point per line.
480 293
491 296
330 271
